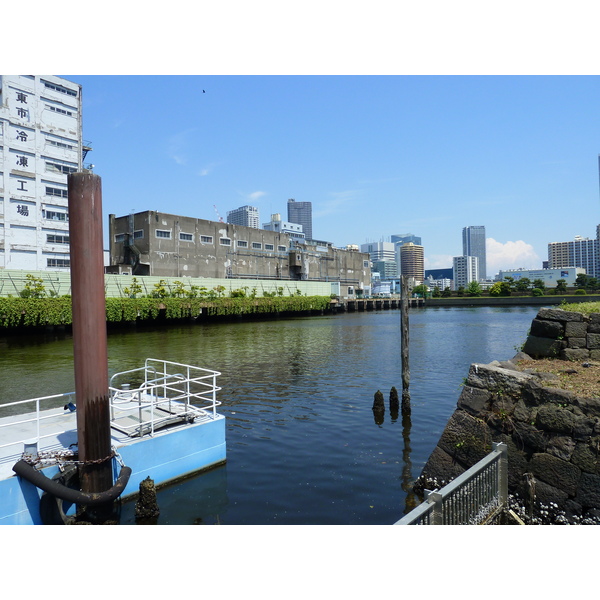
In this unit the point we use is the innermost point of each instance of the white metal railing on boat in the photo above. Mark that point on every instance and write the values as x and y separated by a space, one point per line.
473 498
166 393
24 420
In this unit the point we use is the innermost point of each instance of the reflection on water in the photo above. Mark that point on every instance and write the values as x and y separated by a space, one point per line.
302 443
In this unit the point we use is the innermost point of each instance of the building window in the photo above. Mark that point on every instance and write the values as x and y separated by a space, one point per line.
281 249
225 242
62 111
138 234
52 238
206 239
186 237
256 246
163 233
59 262
55 167
60 144
365 264
59 88
242 244
60 193
53 215
269 247
119 238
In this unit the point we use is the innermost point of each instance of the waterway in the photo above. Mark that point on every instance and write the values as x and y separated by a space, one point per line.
303 446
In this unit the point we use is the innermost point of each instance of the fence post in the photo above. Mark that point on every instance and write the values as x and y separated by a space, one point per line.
435 498
502 472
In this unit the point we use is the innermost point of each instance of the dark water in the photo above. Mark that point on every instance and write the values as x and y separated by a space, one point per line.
303 446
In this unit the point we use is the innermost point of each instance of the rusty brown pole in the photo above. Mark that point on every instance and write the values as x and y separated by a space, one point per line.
89 331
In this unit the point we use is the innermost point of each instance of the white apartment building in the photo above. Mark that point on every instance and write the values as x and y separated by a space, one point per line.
465 269
40 144
248 216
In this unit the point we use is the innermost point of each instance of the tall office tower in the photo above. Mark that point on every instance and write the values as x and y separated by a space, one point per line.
412 261
379 250
465 270
301 212
474 245
40 144
581 252
403 238
244 215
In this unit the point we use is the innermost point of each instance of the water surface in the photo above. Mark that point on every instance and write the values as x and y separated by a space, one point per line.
303 446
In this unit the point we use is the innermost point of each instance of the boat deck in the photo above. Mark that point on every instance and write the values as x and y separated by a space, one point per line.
58 430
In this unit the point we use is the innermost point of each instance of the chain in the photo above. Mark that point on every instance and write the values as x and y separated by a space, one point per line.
66 457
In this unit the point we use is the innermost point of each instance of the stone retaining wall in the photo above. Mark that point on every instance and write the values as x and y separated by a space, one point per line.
553 436
562 334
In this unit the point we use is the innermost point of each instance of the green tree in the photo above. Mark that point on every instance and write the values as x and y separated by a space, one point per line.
447 293
500 288
420 290
460 291
522 285
581 280
561 287
474 289
436 292
539 284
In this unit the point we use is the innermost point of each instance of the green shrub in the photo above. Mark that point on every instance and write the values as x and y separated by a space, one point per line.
537 292
580 292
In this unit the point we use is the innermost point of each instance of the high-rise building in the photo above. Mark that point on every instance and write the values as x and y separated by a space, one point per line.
379 250
412 261
404 238
474 245
581 252
301 212
248 216
465 270
40 145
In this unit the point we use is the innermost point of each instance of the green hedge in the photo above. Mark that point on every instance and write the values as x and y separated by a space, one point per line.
57 311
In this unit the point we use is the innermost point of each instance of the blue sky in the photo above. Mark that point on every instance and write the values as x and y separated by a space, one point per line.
376 155
400 118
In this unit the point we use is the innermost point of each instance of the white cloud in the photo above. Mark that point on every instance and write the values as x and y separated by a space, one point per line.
207 169
338 202
438 261
256 195
510 255
177 145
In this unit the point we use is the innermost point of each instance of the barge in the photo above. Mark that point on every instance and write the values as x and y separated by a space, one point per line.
164 425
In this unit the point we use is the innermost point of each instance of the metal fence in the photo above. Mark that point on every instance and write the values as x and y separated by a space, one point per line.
476 497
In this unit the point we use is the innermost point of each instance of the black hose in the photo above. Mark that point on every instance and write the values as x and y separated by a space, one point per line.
29 473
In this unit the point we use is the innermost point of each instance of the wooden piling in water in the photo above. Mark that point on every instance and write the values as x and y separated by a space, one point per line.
89 331
404 338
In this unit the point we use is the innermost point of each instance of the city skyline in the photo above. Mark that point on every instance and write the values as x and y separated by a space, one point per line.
510 153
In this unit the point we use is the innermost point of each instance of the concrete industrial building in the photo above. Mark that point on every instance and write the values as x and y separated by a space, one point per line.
40 144
248 216
301 213
160 244
474 245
